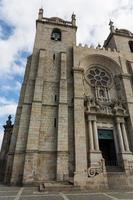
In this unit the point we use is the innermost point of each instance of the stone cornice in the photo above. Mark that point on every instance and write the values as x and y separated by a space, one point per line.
125 76
78 69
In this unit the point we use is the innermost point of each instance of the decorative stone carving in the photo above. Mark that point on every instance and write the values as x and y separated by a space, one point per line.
93 171
112 107
118 107
96 168
102 94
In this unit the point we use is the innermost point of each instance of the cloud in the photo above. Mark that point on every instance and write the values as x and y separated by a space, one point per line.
92 16
8 88
17 33
5 30
7 107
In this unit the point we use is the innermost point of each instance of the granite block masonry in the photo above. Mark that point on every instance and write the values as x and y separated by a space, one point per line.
74 120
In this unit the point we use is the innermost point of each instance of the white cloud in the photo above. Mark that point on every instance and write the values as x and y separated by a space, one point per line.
4 101
92 19
7 107
9 88
90 15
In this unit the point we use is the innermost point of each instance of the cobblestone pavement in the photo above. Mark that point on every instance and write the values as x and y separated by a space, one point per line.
30 193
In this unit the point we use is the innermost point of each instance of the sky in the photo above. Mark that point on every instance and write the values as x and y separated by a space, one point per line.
17 32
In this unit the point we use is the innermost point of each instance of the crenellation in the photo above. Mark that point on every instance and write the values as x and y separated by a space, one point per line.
98 48
86 46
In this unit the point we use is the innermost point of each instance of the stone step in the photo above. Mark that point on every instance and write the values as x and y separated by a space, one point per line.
114 169
118 180
58 186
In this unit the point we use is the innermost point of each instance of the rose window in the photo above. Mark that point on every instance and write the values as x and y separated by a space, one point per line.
98 77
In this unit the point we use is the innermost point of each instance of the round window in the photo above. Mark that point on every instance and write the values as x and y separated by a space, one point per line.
97 76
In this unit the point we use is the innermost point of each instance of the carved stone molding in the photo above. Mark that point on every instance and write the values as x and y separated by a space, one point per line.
96 169
93 171
112 107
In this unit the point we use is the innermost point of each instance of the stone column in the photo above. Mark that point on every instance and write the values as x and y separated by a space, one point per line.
96 143
62 138
125 137
91 135
31 157
80 176
94 152
125 154
120 137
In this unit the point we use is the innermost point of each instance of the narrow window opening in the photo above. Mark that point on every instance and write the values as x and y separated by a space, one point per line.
54 57
55 98
131 45
55 122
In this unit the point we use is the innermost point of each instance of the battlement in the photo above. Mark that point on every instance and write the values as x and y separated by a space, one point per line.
97 48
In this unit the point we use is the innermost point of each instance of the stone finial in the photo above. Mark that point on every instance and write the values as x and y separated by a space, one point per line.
9 122
92 46
73 19
98 46
111 24
40 14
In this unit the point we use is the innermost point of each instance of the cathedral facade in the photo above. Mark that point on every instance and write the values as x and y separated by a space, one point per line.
74 120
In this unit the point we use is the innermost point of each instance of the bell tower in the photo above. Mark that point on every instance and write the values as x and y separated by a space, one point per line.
52 33
39 148
119 39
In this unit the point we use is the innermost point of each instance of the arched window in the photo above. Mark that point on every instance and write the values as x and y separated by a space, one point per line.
131 45
56 34
101 93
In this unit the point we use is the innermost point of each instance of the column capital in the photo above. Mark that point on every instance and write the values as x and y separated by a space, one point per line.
120 120
92 118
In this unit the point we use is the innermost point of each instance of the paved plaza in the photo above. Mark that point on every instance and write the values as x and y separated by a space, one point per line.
30 193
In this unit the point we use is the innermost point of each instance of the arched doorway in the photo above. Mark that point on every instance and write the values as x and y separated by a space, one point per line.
107 146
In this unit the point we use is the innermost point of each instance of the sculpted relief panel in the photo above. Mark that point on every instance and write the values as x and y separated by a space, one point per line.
100 100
